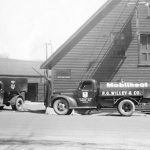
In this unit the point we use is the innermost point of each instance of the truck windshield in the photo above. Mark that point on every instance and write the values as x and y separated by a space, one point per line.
86 85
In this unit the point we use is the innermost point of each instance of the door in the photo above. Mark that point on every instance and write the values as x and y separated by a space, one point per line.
1 94
32 94
86 94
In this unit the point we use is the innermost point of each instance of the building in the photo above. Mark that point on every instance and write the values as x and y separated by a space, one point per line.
26 69
113 44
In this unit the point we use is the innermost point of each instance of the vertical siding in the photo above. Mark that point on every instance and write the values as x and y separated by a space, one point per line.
91 48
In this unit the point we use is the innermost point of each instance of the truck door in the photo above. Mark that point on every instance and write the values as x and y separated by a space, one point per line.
87 92
1 93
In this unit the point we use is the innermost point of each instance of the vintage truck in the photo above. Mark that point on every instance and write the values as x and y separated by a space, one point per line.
89 95
12 91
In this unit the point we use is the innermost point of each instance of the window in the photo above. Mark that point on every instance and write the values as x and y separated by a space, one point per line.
86 85
145 49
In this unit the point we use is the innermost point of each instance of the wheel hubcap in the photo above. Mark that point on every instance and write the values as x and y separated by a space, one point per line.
127 107
61 106
19 104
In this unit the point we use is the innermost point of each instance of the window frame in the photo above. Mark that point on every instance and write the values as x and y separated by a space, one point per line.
86 84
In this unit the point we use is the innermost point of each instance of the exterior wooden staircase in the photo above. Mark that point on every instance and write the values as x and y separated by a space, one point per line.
112 54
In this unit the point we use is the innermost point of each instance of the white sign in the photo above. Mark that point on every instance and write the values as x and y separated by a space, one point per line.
85 94
12 86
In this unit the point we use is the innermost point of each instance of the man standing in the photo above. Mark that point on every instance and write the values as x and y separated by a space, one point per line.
48 92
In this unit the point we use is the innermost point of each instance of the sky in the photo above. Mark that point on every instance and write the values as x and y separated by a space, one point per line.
27 25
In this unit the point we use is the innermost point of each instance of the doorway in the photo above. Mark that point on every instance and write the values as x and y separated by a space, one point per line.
32 94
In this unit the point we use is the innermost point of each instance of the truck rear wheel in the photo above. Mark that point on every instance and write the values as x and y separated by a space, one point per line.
61 107
18 104
126 107
83 111
1 107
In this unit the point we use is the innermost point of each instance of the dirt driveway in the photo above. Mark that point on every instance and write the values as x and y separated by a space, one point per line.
32 129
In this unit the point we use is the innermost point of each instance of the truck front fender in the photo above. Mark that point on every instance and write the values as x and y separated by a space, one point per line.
13 99
71 101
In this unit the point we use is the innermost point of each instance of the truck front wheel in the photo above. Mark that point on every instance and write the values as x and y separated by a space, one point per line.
18 104
61 107
126 107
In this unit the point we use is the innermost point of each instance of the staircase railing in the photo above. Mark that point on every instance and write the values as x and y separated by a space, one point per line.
91 72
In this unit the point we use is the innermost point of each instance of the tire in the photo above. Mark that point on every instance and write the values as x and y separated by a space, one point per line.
69 112
1 107
13 107
18 105
126 107
82 111
61 107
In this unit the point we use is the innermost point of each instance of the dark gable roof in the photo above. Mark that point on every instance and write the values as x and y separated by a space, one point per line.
13 67
77 36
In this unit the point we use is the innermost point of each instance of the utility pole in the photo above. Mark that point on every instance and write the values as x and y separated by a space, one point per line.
48 82
47 45
46 51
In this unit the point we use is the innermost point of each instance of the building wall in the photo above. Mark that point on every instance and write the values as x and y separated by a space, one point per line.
132 69
88 54
83 58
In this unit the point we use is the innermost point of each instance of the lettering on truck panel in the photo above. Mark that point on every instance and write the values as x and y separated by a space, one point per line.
126 85
121 93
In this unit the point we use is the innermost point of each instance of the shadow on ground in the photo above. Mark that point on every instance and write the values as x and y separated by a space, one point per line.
40 109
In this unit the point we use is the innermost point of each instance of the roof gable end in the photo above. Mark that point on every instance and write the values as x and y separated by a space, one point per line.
77 36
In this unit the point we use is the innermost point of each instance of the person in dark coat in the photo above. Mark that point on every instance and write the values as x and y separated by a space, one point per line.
48 92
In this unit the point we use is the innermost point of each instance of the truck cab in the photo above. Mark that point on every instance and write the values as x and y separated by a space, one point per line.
12 92
83 98
86 94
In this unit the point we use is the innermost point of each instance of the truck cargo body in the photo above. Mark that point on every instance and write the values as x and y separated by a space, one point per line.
140 91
